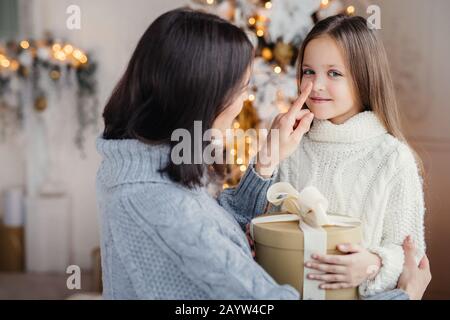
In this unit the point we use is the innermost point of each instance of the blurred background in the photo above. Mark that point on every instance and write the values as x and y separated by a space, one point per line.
60 59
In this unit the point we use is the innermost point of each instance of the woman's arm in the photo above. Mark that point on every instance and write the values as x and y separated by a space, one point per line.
396 294
248 198
201 254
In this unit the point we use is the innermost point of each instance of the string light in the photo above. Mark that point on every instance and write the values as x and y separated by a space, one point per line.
350 9
68 49
210 2
268 5
56 47
243 168
60 55
260 33
239 161
233 152
277 69
236 125
77 54
83 59
5 63
324 3
262 19
24 44
267 53
251 97
251 21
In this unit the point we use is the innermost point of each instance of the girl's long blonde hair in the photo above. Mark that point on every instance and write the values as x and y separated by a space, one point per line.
368 64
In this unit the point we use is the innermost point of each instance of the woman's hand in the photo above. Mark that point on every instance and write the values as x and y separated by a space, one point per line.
285 135
414 279
345 271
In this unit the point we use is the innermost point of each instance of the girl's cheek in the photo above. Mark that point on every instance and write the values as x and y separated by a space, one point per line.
339 92
333 92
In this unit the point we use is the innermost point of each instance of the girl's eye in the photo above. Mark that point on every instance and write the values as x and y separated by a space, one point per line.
334 74
308 72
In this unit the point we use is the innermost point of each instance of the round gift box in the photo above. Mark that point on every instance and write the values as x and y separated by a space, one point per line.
279 250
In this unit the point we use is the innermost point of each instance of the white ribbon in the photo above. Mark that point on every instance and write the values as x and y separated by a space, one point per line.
309 207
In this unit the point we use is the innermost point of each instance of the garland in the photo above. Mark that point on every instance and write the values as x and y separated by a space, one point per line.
27 62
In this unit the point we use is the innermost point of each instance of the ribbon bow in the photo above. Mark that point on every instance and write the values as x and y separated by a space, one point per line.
309 204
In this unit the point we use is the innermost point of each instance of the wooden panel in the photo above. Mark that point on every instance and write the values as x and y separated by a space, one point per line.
415 33
436 157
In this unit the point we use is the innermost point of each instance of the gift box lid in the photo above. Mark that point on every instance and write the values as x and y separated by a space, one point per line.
288 235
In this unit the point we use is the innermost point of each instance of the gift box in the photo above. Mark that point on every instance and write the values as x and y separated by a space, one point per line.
284 240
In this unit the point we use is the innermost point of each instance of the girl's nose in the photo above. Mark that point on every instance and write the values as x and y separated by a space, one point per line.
318 85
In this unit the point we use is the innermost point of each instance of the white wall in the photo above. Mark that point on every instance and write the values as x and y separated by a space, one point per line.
110 30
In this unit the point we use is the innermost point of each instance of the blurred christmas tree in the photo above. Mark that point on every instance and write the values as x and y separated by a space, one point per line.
276 29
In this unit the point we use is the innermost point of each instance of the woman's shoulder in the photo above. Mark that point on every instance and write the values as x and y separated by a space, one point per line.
158 194
162 203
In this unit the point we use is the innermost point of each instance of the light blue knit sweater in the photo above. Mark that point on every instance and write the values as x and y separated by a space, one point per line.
160 240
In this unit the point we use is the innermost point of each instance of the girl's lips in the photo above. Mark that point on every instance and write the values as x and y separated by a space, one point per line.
319 100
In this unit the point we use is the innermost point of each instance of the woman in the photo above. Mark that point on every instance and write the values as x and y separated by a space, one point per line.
163 235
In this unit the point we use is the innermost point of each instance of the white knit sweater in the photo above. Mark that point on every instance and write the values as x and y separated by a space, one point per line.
364 172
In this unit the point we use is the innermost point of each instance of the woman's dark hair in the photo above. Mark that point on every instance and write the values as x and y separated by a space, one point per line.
188 66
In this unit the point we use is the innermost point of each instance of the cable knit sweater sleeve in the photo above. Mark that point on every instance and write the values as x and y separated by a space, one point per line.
220 265
248 199
404 215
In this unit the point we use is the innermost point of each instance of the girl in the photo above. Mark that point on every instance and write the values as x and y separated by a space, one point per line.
356 155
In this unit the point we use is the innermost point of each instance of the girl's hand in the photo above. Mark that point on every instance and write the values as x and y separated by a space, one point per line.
286 132
345 271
